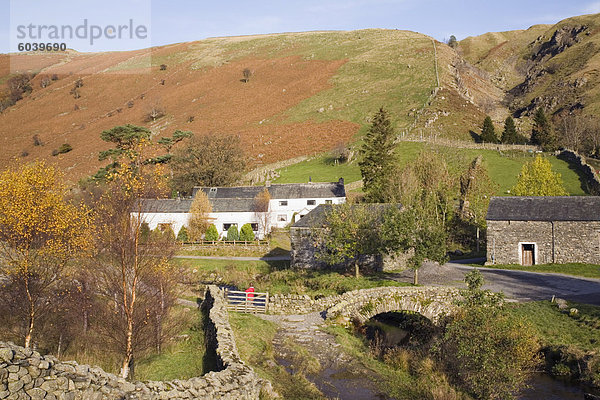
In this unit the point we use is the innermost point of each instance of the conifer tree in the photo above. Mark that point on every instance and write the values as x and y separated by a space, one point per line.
378 157
509 134
488 134
542 132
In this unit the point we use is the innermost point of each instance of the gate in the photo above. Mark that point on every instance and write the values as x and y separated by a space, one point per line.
246 303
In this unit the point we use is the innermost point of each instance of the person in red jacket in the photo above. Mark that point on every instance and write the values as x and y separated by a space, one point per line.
250 294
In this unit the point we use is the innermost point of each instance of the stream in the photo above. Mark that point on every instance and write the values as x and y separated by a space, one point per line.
542 386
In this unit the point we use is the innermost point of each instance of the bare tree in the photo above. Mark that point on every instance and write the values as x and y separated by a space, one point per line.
262 211
155 111
199 216
247 73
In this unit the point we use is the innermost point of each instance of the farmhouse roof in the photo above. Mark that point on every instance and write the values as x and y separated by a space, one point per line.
316 218
165 205
550 208
309 190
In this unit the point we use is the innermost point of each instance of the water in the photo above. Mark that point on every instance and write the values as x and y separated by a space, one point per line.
545 387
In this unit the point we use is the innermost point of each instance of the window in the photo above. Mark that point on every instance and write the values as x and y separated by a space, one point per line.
227 226
328 201
213 190
282 218
283 203
311 202
254 227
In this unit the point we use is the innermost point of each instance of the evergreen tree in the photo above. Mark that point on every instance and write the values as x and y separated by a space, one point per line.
378 157
211 234
488 134
509 134
452 42
538 179
233 233
182 235
542 132
246 233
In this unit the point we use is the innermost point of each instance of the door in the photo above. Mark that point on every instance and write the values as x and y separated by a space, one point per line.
528 254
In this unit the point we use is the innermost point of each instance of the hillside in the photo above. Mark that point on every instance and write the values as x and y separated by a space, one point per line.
551 66
307 93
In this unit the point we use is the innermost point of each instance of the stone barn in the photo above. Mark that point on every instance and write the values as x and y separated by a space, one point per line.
543 230
304 247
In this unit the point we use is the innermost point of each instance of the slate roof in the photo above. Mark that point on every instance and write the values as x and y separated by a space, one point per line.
550 208
316 190
316 218
165 205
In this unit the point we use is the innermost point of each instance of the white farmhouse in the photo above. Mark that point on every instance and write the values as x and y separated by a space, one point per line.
237 206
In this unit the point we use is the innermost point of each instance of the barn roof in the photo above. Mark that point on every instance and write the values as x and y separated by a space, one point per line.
549 208
316 218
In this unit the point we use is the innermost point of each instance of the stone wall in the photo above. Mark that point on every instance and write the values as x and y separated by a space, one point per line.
592 182
303 255
25 374
555 242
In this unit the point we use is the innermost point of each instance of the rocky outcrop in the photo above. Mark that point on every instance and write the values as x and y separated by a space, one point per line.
25 374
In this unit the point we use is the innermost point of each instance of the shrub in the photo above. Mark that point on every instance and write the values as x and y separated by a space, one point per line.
211 233
65 148
37 141
246 233
168 233
182 235
233 233
163 67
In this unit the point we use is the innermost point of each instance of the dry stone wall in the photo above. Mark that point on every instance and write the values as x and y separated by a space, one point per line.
592 181
25 374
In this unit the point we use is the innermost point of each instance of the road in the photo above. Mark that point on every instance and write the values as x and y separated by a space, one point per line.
516 285
267 258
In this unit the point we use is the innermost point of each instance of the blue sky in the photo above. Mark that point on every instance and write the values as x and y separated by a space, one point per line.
187 20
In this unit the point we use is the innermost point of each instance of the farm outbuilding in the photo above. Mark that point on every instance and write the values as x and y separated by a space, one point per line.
543 230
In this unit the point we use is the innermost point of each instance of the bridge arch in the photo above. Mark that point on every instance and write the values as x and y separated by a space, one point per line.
361 305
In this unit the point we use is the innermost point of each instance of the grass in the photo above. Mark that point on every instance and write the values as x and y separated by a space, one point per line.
558 328
576 269
183 359
254 339
503 166
276 277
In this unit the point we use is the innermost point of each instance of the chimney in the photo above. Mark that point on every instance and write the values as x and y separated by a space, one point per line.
268 184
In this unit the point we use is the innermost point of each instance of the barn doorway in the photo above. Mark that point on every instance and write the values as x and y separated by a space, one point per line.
527 254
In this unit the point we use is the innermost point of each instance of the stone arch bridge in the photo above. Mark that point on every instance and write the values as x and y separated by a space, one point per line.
361 305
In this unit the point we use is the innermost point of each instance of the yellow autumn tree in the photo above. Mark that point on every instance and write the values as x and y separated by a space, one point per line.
199 216
538 179
40 232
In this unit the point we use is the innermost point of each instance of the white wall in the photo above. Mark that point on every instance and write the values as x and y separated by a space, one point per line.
277 212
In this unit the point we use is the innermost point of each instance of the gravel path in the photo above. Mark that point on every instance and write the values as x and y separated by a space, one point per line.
341 376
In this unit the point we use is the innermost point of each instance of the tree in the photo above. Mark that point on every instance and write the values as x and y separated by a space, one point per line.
538 179
378 157
487 350
212 234
509 134
199 220
40 232
182 235
262 211
247 73
155 111
452 42
488 134
348 232
246 233
209 160
476 190
542 132
233 233
413 230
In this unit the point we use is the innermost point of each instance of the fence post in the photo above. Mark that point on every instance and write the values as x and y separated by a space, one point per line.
267 303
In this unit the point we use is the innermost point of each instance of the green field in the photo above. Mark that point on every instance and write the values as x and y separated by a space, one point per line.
503 166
